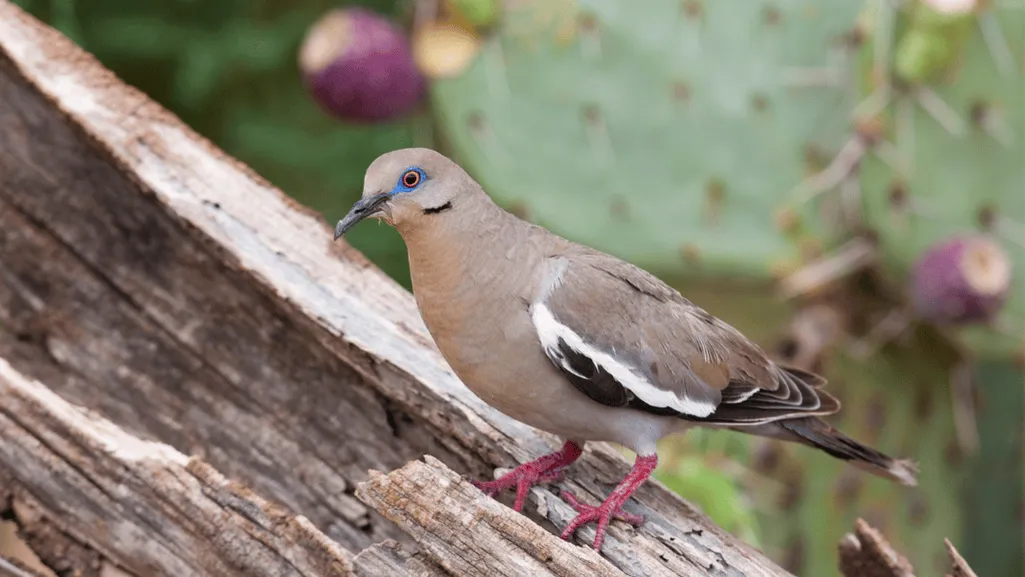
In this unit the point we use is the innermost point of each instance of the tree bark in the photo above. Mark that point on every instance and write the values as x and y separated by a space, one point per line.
158 284
470 533
161 511
866 553
388 558
12 568
958 566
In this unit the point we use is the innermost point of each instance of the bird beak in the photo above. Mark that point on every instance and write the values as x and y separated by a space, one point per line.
364 207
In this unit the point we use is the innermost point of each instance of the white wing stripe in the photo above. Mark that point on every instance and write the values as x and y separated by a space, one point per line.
550 330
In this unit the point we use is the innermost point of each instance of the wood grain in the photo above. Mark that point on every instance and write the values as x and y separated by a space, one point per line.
469 533
145 505
388 558
866 553
12 568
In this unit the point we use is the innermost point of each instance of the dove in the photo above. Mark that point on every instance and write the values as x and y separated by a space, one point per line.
581 344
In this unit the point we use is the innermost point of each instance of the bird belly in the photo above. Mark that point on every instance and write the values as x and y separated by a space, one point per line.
504 364
516 378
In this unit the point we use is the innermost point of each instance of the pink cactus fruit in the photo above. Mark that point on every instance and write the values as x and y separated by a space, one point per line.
359 67
961 280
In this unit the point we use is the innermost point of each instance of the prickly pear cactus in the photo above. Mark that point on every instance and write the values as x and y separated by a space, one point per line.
958 139
933 37
690 124
995 474
898 402
686 122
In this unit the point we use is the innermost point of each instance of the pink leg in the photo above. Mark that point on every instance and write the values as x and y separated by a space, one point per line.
546 468
612 508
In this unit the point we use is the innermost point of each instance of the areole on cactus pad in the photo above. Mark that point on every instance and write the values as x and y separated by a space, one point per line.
957 171
686 124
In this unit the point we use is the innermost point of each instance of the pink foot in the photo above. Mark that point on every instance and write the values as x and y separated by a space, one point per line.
593 513
547 468
612 508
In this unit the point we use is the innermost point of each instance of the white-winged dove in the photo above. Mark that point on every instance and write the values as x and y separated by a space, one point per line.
579 343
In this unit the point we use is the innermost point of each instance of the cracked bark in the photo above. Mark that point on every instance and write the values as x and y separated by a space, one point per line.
52 547
388 558
161 285
13 568
958 566
470 533
866 553
172 515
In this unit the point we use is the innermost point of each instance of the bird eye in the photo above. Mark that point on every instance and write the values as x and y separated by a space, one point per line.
411 178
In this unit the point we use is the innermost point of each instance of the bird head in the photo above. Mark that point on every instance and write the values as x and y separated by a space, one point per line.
406 187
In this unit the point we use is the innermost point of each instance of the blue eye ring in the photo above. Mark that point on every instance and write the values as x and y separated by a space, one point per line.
411 178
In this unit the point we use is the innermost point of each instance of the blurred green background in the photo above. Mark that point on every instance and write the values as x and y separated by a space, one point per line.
783 163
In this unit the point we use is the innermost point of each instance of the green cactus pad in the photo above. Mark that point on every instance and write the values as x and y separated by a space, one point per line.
994 539
931 44
666 133
963 177
898 402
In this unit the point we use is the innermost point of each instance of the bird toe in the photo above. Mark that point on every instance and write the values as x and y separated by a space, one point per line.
602 514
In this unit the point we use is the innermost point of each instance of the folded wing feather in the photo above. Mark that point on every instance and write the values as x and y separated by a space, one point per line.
624 338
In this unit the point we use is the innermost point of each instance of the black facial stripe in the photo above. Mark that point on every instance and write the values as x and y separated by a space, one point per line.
437 209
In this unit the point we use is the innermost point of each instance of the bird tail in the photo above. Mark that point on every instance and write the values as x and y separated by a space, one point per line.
817 433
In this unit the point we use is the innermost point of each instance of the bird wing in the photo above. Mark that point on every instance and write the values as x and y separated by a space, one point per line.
626 339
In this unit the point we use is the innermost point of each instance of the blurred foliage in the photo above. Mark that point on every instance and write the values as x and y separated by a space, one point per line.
228 68
705 481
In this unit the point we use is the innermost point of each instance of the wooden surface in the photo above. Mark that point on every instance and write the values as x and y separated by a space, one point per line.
160 511
958 566
388 558
866 553
12 568
471 533
147 277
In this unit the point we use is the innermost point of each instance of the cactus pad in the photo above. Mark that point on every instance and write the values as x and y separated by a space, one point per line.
960 143
664 133
899 403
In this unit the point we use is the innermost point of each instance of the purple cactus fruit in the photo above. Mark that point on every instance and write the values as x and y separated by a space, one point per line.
961 280
358 66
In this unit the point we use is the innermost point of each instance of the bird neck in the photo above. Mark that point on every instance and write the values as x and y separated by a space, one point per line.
443 247
466 261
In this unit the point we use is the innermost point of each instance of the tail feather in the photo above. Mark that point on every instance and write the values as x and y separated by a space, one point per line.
817 433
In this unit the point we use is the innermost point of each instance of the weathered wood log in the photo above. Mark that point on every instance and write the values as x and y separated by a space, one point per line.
388 558
148 277
467 531
958 566
42 544
866 553
173 515
12 568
